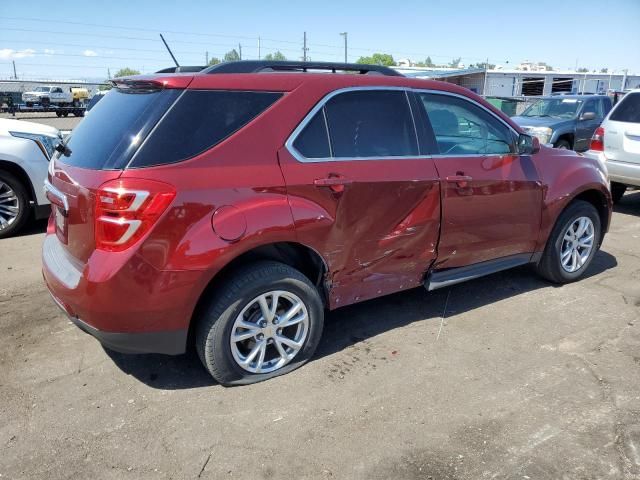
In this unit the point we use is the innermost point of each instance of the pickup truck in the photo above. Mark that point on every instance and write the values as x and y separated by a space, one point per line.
565 121
54 95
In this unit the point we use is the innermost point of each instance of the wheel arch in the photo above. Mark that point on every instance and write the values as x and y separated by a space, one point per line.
601 203
297 255
568 136
18 172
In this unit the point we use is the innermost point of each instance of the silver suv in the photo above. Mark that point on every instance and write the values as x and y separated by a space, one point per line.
616 143
25 150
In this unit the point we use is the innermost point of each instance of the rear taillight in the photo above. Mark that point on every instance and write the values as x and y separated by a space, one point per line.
597 141
126 209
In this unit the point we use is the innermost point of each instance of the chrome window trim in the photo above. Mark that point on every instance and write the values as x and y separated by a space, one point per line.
323 101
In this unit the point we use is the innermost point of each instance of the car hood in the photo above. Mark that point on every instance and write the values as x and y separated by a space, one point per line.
540 121
7 125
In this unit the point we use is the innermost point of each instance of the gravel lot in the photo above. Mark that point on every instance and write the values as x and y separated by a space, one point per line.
513 379
63 123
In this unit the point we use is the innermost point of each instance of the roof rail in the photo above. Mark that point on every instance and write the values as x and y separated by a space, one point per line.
181 69
256 66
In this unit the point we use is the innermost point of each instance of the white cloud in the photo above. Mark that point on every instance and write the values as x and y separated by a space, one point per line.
90 53
9 53
48 51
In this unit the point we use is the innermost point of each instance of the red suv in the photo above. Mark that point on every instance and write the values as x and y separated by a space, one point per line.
229 208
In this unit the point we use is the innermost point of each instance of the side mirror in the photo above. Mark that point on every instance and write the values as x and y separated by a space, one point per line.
528 145
588 116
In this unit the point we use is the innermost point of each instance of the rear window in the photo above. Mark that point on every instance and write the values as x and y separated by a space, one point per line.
108 137
628 110
199 120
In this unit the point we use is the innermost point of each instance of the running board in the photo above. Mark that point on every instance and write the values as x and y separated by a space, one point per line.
450 276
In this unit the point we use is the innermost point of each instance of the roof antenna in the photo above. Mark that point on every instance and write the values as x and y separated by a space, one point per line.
170 52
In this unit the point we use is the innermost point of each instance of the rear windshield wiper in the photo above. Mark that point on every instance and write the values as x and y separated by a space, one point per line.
63 149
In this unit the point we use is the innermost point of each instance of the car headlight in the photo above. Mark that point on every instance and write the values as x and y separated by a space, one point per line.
543 133
46 143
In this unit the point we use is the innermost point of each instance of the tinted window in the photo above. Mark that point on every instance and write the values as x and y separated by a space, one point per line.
462 128
199 120
108 137
371 124
594 106
313 141
628 109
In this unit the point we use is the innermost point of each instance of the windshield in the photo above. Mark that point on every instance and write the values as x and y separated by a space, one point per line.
42 89
118 124
554 107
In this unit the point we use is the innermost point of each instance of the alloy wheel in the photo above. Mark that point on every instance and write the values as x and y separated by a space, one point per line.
577 244
269 331
9 206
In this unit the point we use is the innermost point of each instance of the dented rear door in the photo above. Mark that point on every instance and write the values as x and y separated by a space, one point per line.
362 195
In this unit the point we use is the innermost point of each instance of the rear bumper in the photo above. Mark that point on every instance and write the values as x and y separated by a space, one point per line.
129 307
169 342
626 173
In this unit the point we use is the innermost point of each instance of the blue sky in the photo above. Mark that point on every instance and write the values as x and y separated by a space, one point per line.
594 34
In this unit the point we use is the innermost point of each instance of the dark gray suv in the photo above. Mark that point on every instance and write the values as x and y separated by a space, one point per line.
565 121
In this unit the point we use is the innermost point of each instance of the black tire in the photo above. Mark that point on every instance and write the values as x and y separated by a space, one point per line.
214 328
550 266
617 191
23 204
564 144
58 114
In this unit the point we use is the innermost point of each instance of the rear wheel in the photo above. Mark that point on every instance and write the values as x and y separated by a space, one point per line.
266 320
563 144
14 205
572 244
617 191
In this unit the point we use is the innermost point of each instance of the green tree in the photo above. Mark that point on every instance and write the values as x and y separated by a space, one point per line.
582 70
279 56
604 70
488 66
213 61
125 72
232 56
384 59
455 63
429 63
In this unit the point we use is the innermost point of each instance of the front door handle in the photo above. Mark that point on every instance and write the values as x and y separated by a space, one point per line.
461 180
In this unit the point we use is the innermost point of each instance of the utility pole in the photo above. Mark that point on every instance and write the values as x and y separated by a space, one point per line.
304 48
240 51
259 48
344 34
15 75
486 73
206 58
109 73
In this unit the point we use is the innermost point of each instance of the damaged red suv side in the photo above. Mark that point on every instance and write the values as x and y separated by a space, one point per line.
229 208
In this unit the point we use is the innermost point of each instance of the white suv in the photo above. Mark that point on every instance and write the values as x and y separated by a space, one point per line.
25 150
617 143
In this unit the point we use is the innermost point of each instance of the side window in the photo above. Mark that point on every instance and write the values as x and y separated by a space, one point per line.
462 128
199 120
627 109
590 106
371 123
313 141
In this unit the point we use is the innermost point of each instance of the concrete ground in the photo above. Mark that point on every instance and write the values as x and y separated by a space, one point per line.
504 377
63 123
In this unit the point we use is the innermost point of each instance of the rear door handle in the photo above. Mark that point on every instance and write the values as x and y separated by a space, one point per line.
461 180
331 181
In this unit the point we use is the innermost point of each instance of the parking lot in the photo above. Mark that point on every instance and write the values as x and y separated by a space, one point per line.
502 377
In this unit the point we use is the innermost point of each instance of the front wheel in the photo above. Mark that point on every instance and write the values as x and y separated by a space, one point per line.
563 145
266 320
572 244
14 205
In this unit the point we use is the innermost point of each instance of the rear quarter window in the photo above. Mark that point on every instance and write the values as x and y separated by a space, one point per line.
628 110
199 120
